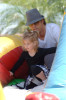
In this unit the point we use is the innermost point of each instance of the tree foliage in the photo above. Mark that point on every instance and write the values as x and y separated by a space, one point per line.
49 8
52 10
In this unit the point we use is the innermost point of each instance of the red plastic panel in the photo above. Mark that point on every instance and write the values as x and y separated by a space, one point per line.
5 77
7 62
41 96
9 59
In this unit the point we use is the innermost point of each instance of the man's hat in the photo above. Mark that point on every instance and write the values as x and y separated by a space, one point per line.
33 16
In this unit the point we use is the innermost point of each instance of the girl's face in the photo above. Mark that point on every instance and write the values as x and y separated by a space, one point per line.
28 45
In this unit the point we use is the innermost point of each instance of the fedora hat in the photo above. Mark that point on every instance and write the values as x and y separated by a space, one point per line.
33 16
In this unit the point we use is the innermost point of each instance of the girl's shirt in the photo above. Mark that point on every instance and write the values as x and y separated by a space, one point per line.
37 59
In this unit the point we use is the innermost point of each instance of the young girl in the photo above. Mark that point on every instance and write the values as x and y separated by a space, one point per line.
34 56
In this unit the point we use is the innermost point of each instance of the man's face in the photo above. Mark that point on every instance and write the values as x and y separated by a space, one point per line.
36 26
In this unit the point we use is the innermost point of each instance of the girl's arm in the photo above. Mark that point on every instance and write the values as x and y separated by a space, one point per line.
50 50
18 63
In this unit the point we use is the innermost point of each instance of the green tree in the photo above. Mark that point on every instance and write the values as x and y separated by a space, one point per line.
52 10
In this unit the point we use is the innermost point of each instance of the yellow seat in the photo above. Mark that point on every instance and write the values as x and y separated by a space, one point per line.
2 97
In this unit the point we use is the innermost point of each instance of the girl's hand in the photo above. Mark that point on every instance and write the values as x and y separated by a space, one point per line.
11 74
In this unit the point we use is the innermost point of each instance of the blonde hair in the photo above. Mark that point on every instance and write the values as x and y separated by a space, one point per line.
32 36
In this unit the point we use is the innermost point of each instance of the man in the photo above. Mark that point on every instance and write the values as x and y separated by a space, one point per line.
48 33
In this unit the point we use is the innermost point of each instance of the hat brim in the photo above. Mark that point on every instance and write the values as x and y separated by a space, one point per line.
34 21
